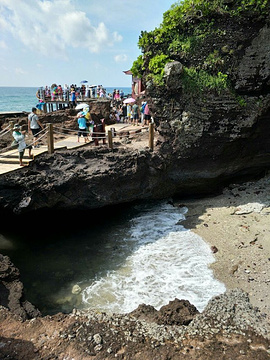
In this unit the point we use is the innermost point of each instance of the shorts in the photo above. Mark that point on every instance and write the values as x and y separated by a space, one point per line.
21 153
147 117
135 116
82 132
35 132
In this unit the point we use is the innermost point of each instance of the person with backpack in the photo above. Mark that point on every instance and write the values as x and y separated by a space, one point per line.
146 115
142 110
135 114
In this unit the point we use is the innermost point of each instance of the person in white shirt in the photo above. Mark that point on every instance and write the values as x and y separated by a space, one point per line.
19 137
34 125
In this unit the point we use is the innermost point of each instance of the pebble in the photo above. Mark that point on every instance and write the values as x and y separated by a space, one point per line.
97 339
98 348
76 290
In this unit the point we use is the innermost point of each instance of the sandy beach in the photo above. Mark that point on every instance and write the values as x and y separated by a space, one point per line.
236 226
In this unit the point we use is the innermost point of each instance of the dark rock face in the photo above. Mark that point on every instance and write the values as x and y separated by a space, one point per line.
11 291
213 136
253 72
177 312
87 179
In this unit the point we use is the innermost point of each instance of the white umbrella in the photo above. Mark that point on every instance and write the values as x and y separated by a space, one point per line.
129 100
81 106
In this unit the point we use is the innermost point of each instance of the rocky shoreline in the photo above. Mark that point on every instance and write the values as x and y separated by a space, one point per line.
233 325
229 327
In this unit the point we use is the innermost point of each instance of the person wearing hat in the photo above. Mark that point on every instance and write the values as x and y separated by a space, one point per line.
19 137
82 126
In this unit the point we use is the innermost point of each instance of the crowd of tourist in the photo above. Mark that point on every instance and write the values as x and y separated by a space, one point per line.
69 92
131 113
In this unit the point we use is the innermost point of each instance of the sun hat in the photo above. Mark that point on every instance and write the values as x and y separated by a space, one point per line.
16 127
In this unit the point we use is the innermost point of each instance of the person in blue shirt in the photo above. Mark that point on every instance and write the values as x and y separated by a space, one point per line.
73 97
82 126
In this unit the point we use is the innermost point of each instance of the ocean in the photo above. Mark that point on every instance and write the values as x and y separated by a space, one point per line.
24 98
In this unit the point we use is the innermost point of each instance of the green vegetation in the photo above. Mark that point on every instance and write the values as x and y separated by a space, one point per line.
156 67
138 67
195 81
182 33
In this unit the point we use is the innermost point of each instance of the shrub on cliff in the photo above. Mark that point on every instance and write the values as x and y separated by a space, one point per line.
185 28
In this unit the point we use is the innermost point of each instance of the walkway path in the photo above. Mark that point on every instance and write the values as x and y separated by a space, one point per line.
9 160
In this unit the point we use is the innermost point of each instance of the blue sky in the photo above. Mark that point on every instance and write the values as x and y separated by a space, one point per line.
67 41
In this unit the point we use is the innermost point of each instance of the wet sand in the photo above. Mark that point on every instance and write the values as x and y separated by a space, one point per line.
236 224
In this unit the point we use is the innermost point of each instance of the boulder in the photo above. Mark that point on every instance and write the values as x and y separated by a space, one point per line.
172 73
11 291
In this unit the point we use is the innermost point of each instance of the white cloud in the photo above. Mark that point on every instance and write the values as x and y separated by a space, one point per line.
19 71
51 27
120 58
3 45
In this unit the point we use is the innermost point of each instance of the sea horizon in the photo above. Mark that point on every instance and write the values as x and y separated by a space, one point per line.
38 87
23 98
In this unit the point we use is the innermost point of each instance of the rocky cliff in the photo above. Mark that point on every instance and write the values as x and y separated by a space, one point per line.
211 112
11 291
229 327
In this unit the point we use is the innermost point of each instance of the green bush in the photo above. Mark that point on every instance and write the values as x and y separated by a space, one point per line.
156 67
196 81
138 67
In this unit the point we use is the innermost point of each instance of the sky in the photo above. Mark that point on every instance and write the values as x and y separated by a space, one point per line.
67 41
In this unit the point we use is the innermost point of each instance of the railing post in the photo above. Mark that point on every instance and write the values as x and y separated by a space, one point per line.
50 139
110 139
151 136
11 125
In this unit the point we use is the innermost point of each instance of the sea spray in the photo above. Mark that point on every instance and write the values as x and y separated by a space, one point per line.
167 262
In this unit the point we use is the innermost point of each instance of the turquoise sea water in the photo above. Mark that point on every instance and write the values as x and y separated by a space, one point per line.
24 98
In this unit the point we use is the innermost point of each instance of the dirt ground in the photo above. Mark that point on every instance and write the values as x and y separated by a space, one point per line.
100 337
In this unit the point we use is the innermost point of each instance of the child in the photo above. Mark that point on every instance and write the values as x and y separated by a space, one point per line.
19 136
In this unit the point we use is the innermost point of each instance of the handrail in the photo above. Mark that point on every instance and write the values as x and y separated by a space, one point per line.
12 146
50 130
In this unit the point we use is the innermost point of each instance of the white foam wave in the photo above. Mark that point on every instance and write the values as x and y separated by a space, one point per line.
169 262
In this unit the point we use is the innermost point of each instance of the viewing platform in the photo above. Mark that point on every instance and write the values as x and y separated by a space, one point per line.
115 132
59 102
54 105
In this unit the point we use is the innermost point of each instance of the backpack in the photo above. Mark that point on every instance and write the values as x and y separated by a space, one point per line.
143 107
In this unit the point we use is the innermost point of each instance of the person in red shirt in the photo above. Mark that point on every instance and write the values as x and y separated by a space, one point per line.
147 116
